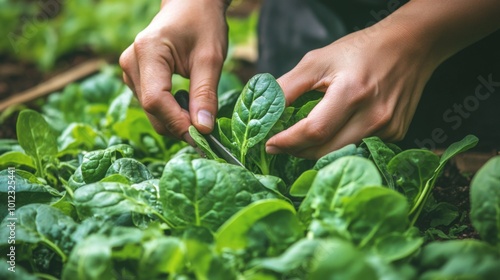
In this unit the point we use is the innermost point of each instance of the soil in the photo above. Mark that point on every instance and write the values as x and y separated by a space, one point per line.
453 187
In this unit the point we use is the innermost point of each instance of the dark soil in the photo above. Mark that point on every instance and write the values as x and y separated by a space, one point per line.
453 187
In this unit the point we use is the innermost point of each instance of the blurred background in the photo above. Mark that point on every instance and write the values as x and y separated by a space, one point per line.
44 40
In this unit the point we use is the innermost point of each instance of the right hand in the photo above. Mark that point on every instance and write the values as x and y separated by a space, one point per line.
187 38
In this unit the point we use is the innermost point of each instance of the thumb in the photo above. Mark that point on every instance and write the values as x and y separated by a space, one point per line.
302 78
203 94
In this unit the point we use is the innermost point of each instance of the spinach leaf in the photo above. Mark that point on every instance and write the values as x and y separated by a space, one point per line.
95 164
297 257
348 150
485 201
258 108
302 185
16 159
458 259
373 213
40 224
117 110
90 259
232 234
161 256
202 143
381 155
342 259
79 136
333 183
28 189
112 199
206 193
225 134
36 138
463 145
411 170
131 169
397 246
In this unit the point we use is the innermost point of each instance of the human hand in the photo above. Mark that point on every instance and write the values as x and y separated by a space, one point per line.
188 38
372 84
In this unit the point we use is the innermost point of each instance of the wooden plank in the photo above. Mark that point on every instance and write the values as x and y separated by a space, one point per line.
54 84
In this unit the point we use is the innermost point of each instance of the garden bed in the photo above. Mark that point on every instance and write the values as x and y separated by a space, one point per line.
98 194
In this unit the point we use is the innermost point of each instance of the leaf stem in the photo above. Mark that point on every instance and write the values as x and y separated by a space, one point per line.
56 248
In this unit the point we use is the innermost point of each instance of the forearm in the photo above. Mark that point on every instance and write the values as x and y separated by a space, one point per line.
442 28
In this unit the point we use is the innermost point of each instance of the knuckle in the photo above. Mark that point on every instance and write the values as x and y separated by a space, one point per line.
210 57
205 93
150 103
143 40
316 132
125 59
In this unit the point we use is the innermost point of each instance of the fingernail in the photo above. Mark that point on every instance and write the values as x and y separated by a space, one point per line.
273 150
206 119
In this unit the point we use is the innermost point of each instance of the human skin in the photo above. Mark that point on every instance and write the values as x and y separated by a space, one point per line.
372 78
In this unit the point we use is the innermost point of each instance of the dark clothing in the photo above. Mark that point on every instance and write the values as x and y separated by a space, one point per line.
462 97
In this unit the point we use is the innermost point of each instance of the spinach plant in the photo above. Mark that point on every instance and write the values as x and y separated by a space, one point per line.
108 198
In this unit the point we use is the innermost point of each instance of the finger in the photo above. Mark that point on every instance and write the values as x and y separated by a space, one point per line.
155 67
302 78
128 63
320 126
205 74
351 132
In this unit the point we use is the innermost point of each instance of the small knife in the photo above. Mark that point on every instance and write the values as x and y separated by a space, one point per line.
182 97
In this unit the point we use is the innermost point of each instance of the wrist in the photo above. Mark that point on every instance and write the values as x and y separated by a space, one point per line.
224 4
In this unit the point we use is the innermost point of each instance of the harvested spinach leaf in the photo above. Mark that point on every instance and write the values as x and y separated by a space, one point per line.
258 108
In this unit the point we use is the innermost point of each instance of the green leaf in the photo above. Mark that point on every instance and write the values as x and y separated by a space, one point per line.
118 108
206 193
443 213
39 223
485 201
78 135
463 145
375 212
26 189
90 259
348 150
131 169
458 259
299 254
381 155
411 170
468 142
397 246
341 260
225 133
111 199
95 164
258 108
36 138
136 128
161 256
202 143
334 182
16 159
302 185
232 234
